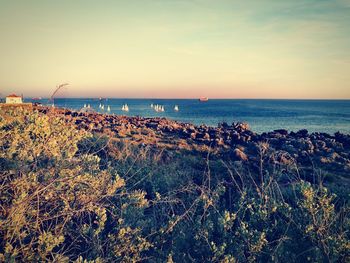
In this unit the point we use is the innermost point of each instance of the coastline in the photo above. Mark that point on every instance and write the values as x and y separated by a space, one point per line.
235 141
327 116
166 179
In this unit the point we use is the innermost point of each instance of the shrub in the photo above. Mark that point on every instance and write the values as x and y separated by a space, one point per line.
57 205
68 195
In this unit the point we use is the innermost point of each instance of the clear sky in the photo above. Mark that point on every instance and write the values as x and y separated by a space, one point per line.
176 48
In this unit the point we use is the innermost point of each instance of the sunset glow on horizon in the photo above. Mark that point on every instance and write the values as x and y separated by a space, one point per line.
176 48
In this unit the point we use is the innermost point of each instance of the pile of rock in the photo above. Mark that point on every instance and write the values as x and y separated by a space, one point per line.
237 139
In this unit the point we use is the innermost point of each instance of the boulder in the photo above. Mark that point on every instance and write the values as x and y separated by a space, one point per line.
241 126
281 132
193 135
289 148
302 133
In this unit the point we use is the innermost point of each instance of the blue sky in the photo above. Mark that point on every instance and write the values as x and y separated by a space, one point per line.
176 48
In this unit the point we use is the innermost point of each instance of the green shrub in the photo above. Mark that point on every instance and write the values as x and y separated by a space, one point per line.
68 195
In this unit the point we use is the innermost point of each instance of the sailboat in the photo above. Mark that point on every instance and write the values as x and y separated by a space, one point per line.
84 105
152 105
176 108
102 107
162 108
108 108
88 106
125 107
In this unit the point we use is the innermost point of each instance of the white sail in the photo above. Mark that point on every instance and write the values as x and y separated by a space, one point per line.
126 107
100 106
152 105
176 108
88 105
108 108
123 108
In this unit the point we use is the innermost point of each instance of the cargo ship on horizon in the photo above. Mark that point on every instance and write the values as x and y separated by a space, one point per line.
203 99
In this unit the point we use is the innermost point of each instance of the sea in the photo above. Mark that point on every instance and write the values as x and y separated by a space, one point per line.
262 115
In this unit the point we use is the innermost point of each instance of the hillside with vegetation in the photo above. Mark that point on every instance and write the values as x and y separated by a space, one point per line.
70 194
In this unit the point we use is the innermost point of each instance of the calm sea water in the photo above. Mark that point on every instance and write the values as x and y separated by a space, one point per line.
262 115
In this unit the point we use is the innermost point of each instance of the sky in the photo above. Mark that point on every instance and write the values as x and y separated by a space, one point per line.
176 48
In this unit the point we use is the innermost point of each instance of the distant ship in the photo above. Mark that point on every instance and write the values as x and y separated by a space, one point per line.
203 99
176 108
108 108
36 98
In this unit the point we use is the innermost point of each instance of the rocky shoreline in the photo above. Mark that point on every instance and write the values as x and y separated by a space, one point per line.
329 152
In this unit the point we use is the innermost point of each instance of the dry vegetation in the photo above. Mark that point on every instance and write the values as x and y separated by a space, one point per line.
69 195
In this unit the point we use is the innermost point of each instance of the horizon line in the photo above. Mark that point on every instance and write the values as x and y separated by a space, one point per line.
197 98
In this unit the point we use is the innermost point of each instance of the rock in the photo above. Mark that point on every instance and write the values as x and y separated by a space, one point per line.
275 142
219 141
321 145
302 133
289 148
193 135
281 131
223 125
206 136
332 151
152 125
184 133
213 133
303 145
343 138
331 143
254 148
246 138
241 126
235 137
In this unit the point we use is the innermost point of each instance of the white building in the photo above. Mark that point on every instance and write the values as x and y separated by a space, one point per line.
13 99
